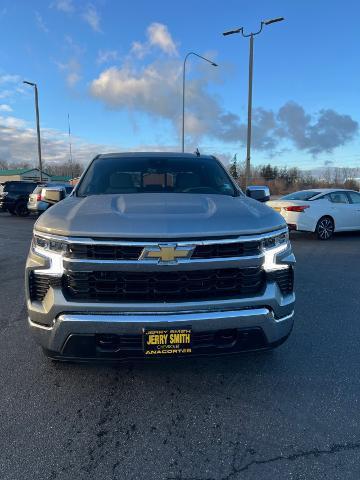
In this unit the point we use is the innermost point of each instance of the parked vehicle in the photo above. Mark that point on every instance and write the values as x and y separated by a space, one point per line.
158 254
323 211
14 197
37 204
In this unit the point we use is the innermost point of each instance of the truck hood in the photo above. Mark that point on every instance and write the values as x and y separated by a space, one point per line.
158 216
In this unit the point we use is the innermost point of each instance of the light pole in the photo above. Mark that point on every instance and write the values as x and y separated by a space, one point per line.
251 63
37 125
183 94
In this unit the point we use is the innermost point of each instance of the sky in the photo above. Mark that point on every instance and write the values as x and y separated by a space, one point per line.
116 68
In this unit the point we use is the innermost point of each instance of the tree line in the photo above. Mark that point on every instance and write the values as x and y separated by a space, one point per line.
71 169
283 180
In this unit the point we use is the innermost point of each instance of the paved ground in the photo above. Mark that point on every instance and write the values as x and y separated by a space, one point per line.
290 414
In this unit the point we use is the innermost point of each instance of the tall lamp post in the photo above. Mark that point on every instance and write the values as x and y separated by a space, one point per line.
37 125
251 62
183 94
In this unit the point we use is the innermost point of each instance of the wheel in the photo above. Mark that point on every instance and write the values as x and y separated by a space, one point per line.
11 211
21 209
325 228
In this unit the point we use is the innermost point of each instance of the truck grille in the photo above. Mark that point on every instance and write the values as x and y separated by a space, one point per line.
133 252
103 286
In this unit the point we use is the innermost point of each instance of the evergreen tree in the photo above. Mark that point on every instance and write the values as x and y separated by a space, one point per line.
233 167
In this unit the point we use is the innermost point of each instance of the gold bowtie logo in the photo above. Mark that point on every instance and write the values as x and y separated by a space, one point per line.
166 253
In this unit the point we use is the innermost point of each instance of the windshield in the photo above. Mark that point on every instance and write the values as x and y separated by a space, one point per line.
303 195
155 175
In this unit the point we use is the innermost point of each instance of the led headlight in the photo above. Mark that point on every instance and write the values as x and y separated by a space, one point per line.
276 241
53 249
49 244
271 247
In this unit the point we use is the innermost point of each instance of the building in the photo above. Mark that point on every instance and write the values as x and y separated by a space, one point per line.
33 174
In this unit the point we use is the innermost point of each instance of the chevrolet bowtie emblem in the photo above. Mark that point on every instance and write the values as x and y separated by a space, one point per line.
166 253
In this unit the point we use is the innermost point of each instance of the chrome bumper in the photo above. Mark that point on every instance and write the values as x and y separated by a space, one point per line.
54 337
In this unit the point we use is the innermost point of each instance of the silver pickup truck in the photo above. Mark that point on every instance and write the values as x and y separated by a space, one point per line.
158 254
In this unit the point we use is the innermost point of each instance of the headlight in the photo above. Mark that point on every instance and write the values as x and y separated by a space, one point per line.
271 247
276 241
49 244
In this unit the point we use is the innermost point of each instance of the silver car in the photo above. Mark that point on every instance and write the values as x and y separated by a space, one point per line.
158 255
36 202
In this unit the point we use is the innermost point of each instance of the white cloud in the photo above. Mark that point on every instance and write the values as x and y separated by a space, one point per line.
92 17
40 22
155 90
106 56
66 6
11 86
157 35
74 47
5 108
73 71
6 78
18 144
149 90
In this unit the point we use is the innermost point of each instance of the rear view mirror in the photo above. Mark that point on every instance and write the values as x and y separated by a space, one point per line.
52 195
259 193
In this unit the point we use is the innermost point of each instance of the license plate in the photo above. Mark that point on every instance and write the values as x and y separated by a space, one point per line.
169 341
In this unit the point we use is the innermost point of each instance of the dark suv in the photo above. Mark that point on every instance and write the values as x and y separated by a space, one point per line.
14 197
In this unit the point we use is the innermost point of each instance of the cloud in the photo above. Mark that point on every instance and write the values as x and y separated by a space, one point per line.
66 6
155 89
92 17
106 56
40 22
11 86
18 144
318 133
73 71
157 35
6 78
5 108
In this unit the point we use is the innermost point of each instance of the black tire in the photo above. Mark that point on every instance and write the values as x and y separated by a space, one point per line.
11 211
325 228
21 209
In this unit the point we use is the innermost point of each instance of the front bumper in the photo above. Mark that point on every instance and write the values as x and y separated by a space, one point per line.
80 336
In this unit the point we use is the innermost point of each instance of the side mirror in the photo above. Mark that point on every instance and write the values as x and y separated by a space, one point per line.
52 195
259 193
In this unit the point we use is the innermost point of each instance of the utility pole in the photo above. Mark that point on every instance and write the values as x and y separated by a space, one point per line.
250 88
70 149
37 126
183 94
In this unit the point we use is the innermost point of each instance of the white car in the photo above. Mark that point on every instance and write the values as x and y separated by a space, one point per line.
320 210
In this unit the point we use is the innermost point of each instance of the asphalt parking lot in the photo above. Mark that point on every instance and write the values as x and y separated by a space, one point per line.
289 414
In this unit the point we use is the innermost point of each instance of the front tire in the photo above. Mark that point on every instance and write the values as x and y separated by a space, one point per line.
21 210
325 228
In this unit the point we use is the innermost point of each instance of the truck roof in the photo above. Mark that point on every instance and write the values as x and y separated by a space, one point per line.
154 154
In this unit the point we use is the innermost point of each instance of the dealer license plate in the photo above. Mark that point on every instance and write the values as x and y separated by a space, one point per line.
169 341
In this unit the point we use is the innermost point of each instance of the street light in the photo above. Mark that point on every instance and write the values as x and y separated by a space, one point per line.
37 125
183 94
251 62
